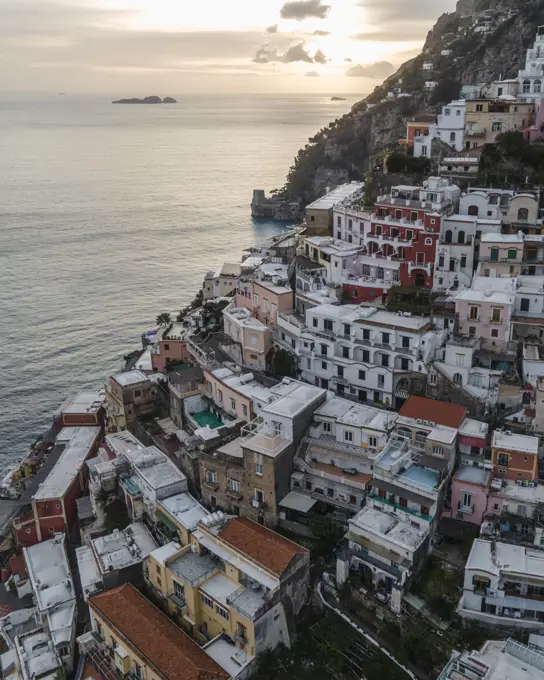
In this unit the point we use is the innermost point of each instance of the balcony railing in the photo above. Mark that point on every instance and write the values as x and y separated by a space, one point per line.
211 485
397 506
500 260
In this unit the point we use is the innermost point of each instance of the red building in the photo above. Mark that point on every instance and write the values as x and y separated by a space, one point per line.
405 228
53 506
85 408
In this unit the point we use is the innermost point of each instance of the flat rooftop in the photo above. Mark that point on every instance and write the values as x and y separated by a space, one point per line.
89 572
83 403
220 588
390 526
496 557
71 461
49 573
474 428
130 378
193 567
185 509
297 398
232 659
121 549
473 475
504 439
123 442
155 468
342 193
368 417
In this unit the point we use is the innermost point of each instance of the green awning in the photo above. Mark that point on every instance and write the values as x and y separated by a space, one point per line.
168 523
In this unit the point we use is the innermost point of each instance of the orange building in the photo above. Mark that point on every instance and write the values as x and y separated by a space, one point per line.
514 456
417 128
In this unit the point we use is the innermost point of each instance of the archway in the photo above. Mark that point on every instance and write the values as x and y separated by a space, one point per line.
419 280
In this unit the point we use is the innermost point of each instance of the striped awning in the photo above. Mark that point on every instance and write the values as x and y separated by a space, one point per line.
402 394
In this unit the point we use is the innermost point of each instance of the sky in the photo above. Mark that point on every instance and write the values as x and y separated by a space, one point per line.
171 47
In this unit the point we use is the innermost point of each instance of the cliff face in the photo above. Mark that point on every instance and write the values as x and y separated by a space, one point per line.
344 150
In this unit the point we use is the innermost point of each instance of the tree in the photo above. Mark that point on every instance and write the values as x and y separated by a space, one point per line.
446 91
163 319
282 363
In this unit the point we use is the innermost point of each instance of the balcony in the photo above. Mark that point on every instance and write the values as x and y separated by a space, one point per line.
397 506
211 485
500 260
235 495
533 260
427 267
177 600
465 509
475 131
258 503
394 240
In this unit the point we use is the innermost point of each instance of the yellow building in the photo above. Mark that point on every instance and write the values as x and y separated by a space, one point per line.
237 584
486 119
130 635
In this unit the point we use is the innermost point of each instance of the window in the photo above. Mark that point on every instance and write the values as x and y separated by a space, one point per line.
244 409
496 126
406 342
447 112
366 356
326 427
328 324
512 254
487 273
477 379
366 334
339 221
219 395
458 112
206 600
537 86
362 375
473 313
496 315
428 242
385 338
405 364
494 332
223 613
473 210
467 500
255 300
234 485
361 395
259 496
324 365
340 370
345 352
308 364
441 262
233 404
433 378
463 261
525 304
385 360
457 378
330 493
452 137
380 274
479 108
523 214
179 590
472 331
314 322
353 499
212 477
503 460
348 436
438 450
409 232
381 381
324 350
137 394
372 442
347 329
308 486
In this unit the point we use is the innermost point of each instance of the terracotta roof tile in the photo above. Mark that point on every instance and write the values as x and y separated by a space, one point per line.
266 547
439 412
154 637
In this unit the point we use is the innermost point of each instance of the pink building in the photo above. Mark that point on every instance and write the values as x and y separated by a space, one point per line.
469 494
535 133
170 349
485 311
265 298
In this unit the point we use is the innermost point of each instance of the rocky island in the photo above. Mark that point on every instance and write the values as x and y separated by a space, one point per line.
146 100
338 99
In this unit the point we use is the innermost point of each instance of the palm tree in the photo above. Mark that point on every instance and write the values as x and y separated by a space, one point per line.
163 319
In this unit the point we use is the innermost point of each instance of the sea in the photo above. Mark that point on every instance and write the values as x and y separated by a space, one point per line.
111 214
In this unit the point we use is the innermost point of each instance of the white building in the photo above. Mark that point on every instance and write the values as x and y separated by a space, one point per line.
503 585
497 660
54 594
250 339
449 128
361 351
530 78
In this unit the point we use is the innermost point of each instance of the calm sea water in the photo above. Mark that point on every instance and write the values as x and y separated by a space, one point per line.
111 214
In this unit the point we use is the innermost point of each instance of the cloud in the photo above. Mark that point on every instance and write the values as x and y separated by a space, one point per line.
295 53
304 9
320 57
379 69
321 33
312 74
272 29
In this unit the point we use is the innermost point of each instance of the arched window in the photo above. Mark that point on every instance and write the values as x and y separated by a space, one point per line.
461 237
457 378
449 236
523 214
379 273
526 86
537 86
473 210
452 136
